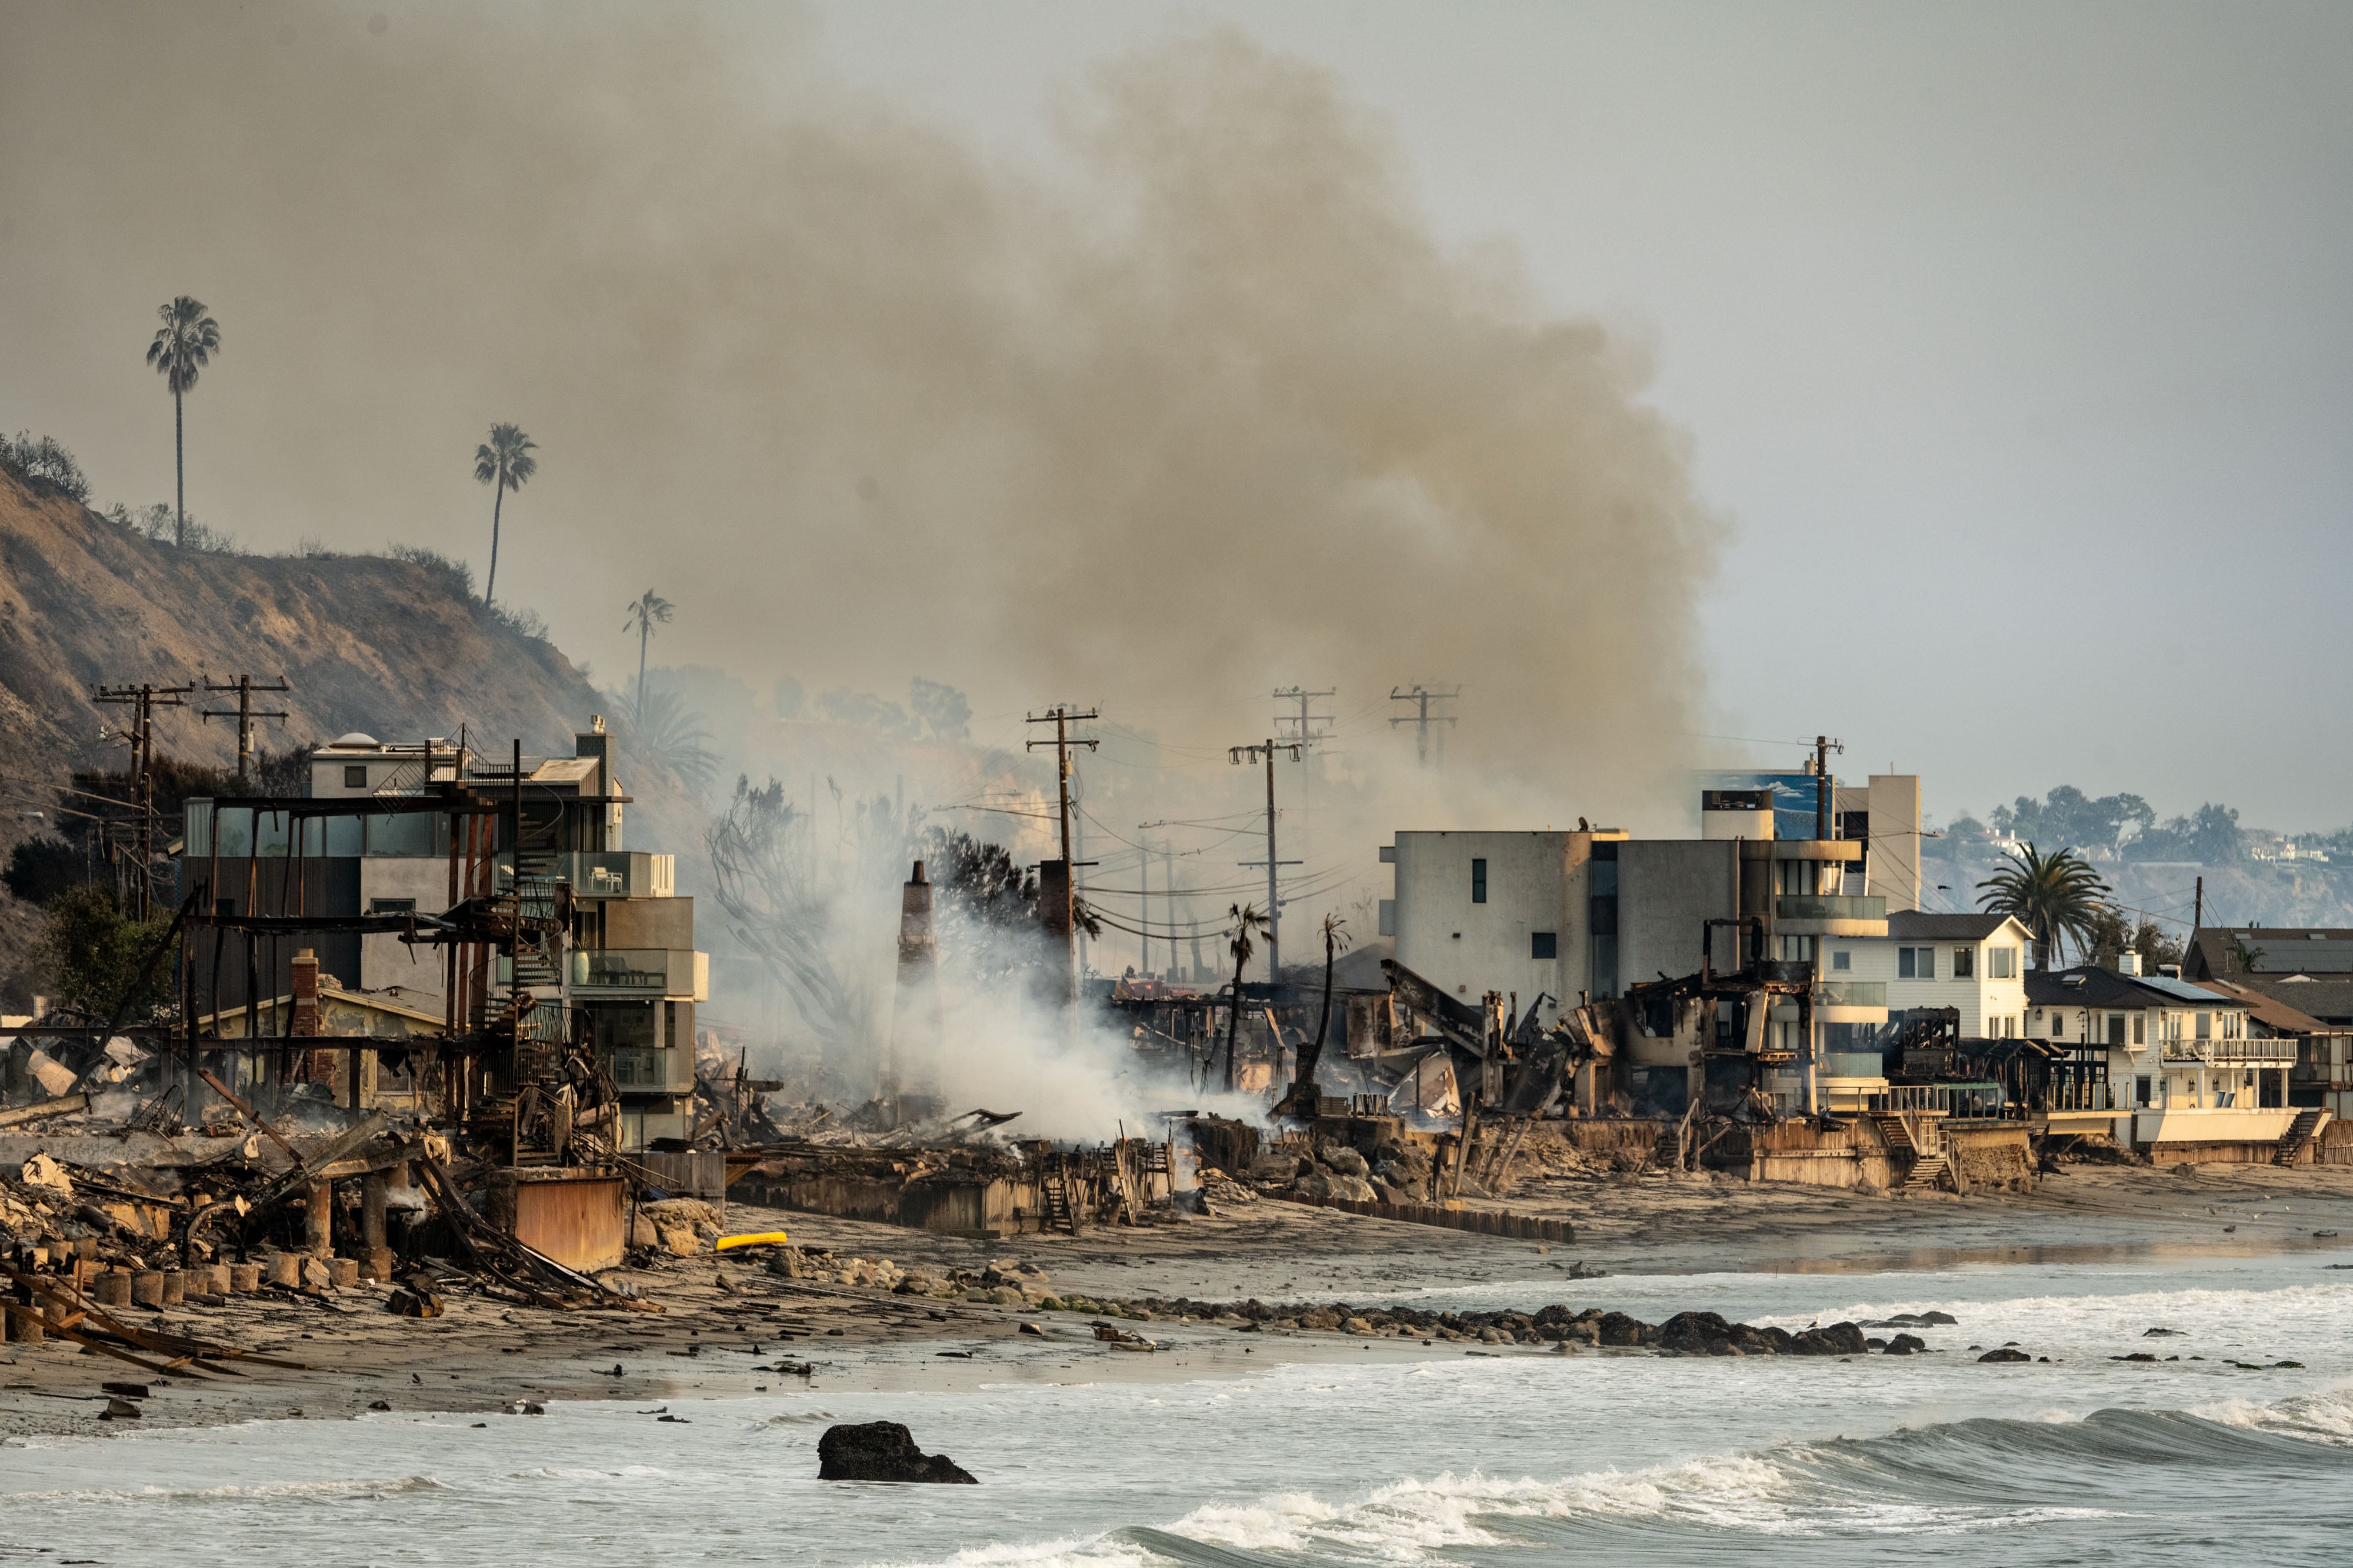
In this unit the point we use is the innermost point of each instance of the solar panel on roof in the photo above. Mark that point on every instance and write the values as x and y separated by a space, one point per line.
2181 988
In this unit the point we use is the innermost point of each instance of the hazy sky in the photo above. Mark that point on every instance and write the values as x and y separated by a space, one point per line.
2010 343
2016 339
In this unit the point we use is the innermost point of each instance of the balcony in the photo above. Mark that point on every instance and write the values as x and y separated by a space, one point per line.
640 972
617 874
1827 907
2254 1053
1850 994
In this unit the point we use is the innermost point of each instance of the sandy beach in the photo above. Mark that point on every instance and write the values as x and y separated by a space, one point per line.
727 1323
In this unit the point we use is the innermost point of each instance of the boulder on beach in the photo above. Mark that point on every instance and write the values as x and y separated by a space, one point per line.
882 1451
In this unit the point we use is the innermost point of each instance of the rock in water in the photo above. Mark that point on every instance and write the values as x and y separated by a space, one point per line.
882 1451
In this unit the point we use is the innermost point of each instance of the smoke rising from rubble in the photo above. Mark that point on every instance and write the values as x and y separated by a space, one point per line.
1209 410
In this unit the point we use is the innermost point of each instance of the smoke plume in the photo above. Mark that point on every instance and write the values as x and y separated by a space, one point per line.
1204 409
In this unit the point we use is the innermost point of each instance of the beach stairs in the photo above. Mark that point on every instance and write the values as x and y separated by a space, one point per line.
2299 1135
1667 1150
1927 1171
1054 1195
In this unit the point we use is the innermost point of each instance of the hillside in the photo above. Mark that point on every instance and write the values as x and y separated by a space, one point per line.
396 648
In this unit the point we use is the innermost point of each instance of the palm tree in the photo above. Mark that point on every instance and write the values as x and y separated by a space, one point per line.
644 611
2054 897
184 345
1303 1091
671 735
1246 921
504 461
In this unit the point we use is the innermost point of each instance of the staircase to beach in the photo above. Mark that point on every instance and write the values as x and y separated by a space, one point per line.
1927 1170
2300 1133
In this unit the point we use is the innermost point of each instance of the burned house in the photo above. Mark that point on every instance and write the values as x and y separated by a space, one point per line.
363 873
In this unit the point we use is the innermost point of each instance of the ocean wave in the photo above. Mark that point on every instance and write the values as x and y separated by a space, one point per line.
1938 1480
285 1489
2323 1416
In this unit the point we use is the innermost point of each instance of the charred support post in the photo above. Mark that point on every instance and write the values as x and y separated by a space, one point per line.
319 1221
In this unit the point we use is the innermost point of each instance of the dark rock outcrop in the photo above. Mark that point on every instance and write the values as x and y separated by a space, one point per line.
1838 1339
2005 1354
882 1451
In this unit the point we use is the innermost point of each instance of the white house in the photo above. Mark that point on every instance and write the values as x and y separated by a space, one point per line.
1973 963
2185 1067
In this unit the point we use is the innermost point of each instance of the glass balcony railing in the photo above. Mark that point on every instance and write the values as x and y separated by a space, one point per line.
642 972
642 969
1829 907
1850 994
617 874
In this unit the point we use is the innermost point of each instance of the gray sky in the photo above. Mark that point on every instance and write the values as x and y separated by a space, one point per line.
2009 342
2016 339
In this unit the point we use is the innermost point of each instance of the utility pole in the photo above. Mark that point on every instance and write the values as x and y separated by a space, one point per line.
244 714
1306 727
1167 892
1823 747
143 700
1422 719
1237 756
1057 900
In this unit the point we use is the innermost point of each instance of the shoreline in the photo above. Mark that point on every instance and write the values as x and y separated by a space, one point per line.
727 1323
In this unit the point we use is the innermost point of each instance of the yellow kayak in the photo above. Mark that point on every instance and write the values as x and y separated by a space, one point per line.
765 1239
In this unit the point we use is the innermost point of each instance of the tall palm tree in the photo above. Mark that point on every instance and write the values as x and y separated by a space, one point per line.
505 462
1245 919
2054 897
184 345
644 611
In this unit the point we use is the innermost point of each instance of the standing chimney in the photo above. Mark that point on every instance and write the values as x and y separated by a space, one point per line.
916 1024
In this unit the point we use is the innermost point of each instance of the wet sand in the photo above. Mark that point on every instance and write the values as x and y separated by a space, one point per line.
727 1323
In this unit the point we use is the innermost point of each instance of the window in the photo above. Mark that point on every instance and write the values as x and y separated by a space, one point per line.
2002 963
1841 960
355 776
1903 965
2058 1025
2140 1034
1916 963
1478 881
1964 963
2116 1028
392 906
1544 944
2205 1025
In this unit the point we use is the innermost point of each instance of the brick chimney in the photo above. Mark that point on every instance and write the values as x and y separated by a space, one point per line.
306 993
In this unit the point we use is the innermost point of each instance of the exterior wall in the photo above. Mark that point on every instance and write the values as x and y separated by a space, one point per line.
650 922
1892 804
384 959
1469 949
1666 889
